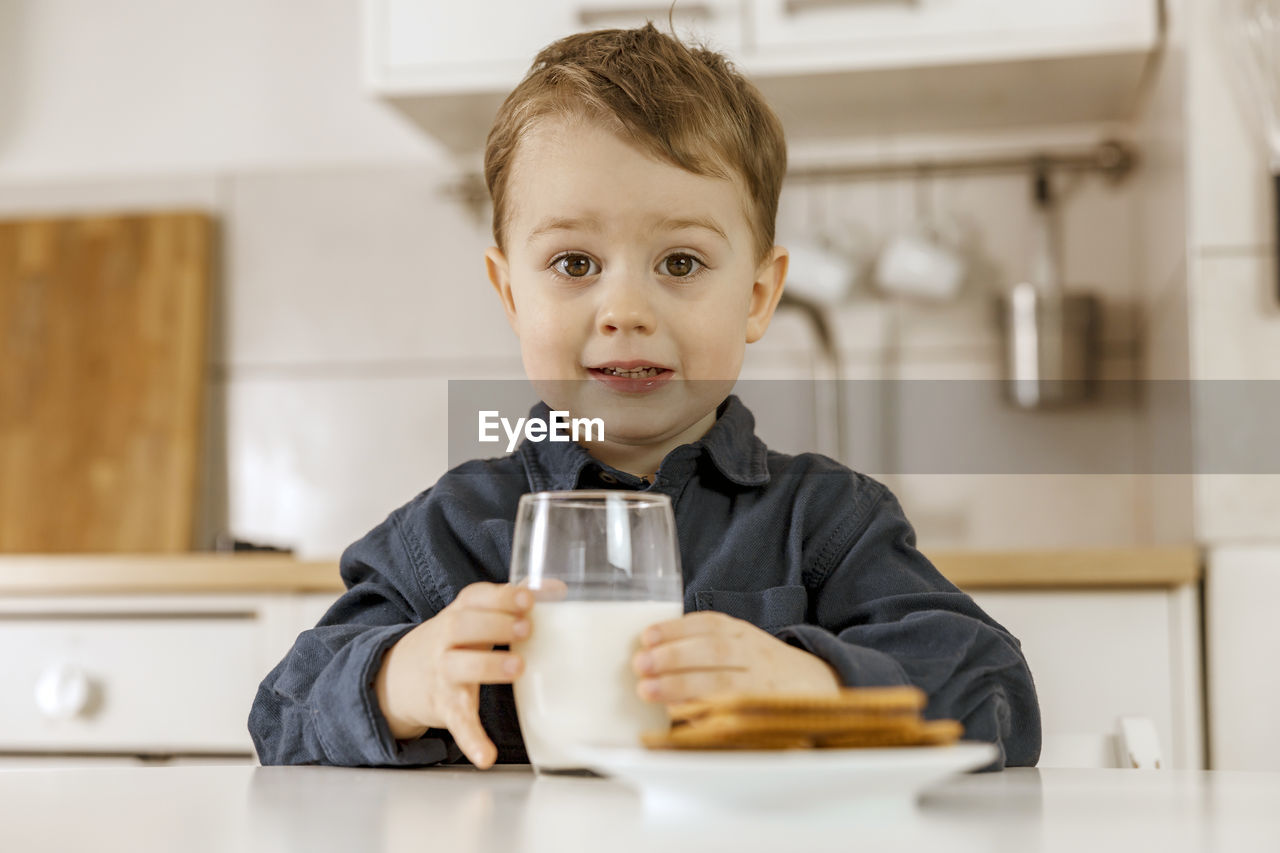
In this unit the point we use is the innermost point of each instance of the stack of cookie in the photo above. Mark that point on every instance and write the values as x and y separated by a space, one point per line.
854 717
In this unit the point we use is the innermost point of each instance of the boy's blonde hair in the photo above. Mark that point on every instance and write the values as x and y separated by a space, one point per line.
684 105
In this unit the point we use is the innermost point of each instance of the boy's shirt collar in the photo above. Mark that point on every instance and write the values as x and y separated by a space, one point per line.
731 444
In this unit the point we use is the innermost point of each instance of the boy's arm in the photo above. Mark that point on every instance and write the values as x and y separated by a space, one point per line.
886 616
318 705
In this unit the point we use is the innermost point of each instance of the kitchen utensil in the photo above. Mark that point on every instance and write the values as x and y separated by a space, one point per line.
817 272
920 263
603 567
103 329
1050 337
927 260
1255 26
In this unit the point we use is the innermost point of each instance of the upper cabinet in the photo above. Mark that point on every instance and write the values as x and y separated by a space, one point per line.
830 67
848 34
424 46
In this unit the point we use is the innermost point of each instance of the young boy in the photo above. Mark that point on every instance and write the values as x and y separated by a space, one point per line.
635 184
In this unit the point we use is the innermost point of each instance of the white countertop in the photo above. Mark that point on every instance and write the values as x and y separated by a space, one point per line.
315 809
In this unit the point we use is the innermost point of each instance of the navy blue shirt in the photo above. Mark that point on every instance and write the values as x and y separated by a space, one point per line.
816 554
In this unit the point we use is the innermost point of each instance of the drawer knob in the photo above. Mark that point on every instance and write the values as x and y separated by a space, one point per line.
63 691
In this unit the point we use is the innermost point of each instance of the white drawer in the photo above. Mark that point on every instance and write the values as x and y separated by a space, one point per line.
870 32
143 682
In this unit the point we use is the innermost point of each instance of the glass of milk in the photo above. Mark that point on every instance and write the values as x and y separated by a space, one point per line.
603 566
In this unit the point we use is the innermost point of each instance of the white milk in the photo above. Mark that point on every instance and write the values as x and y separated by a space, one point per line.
578 685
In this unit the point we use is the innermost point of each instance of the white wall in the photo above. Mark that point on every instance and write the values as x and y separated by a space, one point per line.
1161 215
1235 310
353 288
132 87
960 340
1234 335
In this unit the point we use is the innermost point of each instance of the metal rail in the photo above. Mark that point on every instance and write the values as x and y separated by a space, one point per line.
1112 158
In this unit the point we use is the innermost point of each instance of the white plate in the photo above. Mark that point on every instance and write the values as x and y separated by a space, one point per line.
885 779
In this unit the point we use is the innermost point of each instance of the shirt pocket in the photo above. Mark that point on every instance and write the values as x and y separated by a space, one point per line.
768 609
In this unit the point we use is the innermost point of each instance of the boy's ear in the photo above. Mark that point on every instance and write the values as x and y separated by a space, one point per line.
770 277
495 263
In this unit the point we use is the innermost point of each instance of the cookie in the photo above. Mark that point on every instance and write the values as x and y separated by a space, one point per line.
850 700
812 725
687 737
851 719
923 733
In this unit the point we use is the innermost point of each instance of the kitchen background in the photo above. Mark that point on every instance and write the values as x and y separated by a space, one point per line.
350 285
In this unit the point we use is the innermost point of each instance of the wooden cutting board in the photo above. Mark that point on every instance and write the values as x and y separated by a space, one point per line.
103 333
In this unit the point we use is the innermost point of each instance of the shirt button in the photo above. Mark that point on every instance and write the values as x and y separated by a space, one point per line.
606 477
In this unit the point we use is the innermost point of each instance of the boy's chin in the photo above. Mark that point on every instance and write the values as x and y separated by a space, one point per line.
633 418
676 400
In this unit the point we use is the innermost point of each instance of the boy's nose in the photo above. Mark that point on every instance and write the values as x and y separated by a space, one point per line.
626 309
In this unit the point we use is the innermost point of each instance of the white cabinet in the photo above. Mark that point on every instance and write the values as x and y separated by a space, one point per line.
878 33
162 683
140 675
1242 586
130 673
830 67
424 46
1099 655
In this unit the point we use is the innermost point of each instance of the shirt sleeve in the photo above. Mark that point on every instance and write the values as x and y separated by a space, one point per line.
318 705
885 616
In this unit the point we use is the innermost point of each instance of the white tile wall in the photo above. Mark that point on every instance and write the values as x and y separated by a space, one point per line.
884 338
352 266
1235 335
1234 313
314 463
993 215
143 87
1021 511
280 219
1160 208
31 198
1160 216
350 295
1237 508
1165 331
1230 185
1235 317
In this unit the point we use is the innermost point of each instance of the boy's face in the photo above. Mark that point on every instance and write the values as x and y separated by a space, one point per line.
617 261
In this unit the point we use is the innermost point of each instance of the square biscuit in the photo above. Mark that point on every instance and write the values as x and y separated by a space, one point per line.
925 733
800 724
684 737
849 700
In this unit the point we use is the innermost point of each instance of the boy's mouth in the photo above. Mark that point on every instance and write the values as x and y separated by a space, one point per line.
637 373
635 369
631 376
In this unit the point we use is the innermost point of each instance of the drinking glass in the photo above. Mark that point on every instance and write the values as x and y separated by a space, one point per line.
603 566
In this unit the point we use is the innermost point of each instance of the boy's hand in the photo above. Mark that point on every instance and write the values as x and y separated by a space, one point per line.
431 677
706 653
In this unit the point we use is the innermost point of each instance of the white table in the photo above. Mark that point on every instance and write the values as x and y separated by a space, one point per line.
314 809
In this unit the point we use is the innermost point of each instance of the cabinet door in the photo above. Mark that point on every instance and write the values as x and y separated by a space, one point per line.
1097 656
452 46
878 32
134 682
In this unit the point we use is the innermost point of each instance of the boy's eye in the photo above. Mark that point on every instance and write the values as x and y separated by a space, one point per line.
680 266
576 266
